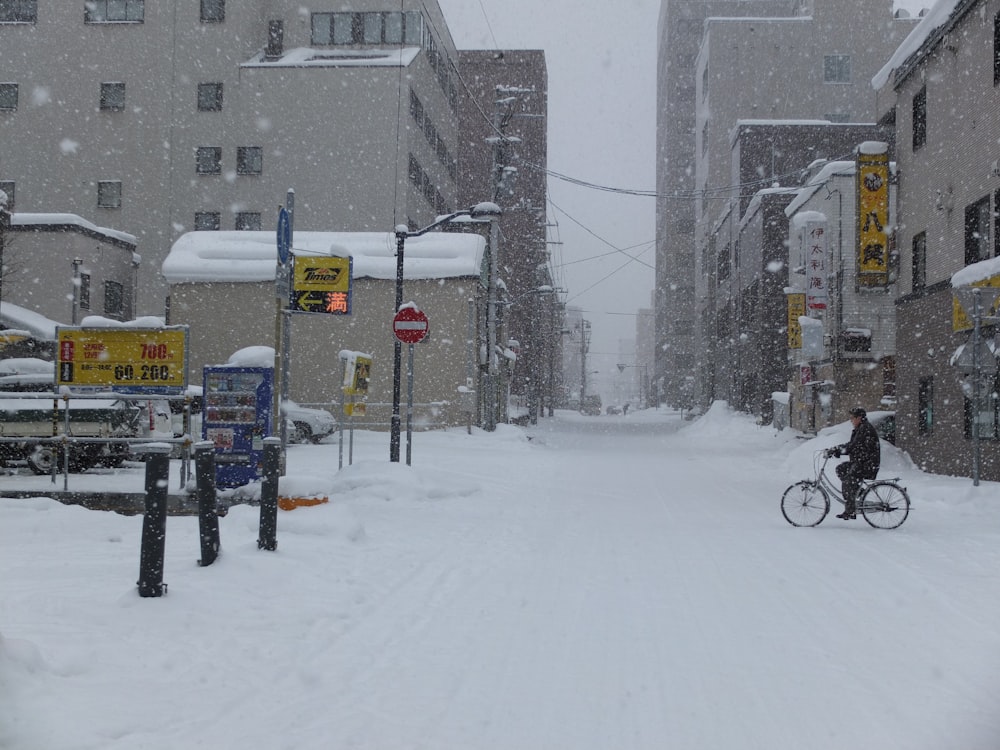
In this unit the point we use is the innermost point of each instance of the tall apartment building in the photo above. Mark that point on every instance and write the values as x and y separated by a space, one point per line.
502 150
722 62
160 118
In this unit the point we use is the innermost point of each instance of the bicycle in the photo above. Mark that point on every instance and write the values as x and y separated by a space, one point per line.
884 503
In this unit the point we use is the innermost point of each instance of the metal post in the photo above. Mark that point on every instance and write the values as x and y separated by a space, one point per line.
491 328
154 523
340 422
397 350
976 389
409 403
208 516
75 312
267 539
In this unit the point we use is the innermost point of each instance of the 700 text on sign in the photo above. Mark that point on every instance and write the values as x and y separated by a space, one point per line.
144 360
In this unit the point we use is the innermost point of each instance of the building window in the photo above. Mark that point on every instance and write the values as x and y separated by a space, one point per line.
113 11
920 119
84 291
248 221
367 28
978 220
207 221
837 69
114 299
209 160
209 97
109 194
925 406
18 11
889 377
8 97
919 261
213 11
112 97
7 187
249 159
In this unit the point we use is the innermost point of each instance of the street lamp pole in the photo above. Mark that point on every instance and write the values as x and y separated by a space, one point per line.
488 211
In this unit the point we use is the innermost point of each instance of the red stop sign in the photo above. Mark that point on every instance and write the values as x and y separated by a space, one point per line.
410 325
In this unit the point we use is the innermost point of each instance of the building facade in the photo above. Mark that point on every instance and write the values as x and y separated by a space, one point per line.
161 118
722 62
941 93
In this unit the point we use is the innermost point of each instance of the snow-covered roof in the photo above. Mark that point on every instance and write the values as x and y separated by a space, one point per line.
240 256
981 271
15 316
829 170
55 219
310 57
924 33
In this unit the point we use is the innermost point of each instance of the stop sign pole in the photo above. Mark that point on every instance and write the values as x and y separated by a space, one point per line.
410 326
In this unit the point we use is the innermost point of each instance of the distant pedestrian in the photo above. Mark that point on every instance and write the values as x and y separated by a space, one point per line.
625 408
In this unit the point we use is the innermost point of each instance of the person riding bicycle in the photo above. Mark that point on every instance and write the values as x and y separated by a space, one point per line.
866 456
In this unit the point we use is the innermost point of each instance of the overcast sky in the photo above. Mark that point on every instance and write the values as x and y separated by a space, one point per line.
602 89
602 122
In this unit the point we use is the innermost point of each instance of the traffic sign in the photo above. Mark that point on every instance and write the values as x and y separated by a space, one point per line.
284 235
410 325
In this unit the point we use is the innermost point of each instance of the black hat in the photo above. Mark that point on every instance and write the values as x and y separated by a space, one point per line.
857 411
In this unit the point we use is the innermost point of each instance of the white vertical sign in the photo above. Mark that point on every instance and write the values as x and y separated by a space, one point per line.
814 245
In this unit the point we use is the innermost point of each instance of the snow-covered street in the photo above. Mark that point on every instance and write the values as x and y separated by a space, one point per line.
586 583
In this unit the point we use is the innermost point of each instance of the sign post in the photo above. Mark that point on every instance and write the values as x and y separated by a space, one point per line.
410 326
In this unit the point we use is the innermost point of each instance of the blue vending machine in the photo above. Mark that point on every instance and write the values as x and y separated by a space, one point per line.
236 419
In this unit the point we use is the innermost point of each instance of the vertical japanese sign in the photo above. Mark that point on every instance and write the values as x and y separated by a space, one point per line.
872 189
814 237
321 285
796 309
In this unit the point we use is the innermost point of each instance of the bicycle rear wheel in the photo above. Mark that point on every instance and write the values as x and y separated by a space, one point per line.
805 503
885 505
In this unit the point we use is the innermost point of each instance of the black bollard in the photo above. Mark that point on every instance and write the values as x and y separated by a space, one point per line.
269 495
154 524
208 516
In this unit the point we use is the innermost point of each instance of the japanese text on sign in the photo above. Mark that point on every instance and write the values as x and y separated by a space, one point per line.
796 309
131 359
873 218
321 285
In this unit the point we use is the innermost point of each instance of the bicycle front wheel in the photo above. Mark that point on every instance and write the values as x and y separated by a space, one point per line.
805 504
885 505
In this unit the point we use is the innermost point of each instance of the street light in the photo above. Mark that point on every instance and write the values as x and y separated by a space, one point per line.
482 211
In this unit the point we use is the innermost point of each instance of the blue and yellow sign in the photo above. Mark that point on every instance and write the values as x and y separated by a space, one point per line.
321 285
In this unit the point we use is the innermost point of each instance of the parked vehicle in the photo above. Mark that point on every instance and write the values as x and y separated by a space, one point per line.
591 406
307 425
32 419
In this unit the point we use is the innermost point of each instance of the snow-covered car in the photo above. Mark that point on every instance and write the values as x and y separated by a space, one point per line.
305 424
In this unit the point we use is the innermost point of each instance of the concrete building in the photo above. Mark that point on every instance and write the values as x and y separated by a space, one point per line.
718 63
846 358
733 272
162 118
940 93
502 153
223 287
65 268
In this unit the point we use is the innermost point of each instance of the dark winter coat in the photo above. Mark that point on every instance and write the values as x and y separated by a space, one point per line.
864 450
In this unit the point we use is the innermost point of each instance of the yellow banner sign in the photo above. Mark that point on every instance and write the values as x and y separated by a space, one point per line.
321 285
873 219
145 360
796 309
961 319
